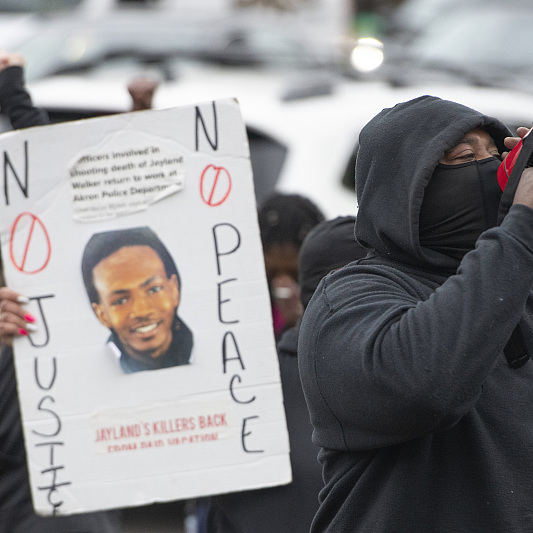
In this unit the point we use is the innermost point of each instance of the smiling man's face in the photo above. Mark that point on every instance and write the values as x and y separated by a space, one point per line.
137 300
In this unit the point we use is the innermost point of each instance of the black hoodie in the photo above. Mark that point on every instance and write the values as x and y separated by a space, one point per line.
423 424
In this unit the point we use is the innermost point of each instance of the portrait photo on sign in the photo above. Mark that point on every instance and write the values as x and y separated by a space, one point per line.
134 289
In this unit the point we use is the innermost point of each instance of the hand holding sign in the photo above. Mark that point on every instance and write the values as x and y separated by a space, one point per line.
14 319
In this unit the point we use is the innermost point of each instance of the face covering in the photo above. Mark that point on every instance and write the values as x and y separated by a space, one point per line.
460 203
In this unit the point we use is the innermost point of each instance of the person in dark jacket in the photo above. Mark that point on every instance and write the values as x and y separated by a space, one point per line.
290 508
16 510
419 401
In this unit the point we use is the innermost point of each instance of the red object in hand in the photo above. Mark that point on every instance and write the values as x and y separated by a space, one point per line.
506 166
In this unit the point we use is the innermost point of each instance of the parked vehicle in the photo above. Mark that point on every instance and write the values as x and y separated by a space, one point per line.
303 114
303 131
266 40
480 42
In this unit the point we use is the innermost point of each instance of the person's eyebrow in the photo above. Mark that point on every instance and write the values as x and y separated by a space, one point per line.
151 280
466 140
469 140
145 283
474 140
119 292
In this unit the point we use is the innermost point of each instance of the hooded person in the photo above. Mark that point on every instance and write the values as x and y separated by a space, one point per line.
134 289
290 508
419 398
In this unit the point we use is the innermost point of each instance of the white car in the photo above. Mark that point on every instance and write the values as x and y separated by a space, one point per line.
303 131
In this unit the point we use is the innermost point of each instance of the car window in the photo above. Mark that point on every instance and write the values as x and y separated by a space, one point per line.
35 6
467 37
267 156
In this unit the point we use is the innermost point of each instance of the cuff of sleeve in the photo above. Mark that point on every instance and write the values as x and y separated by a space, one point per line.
11 81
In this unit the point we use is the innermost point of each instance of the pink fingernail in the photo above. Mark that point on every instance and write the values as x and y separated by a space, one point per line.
23 331
29 318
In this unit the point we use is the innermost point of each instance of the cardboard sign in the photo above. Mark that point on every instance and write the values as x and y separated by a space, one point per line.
152 374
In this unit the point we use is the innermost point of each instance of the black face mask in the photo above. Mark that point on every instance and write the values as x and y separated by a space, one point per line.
460 203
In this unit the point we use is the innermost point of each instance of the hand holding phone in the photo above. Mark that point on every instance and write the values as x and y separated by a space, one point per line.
509 161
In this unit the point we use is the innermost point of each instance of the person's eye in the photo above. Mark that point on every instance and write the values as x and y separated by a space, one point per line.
119 301
468 156
462 155
155 289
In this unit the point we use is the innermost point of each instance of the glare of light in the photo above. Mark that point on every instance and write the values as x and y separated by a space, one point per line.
75 48
367 54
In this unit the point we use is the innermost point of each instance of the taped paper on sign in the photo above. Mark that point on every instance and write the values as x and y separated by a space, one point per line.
121 180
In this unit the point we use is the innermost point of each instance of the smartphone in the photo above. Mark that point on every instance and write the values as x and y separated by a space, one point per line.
507 165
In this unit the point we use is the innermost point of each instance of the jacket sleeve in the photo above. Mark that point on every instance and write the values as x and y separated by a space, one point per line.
385 358
15 102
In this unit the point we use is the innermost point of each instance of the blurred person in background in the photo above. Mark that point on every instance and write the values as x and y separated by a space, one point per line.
290 508
284 222
16 509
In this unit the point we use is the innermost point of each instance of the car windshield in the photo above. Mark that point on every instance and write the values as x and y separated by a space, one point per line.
67 47
35 6
413 15
478 38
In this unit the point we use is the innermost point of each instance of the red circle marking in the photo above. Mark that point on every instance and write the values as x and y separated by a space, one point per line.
215 185
35 224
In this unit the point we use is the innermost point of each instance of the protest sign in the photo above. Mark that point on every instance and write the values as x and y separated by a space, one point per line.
152 374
